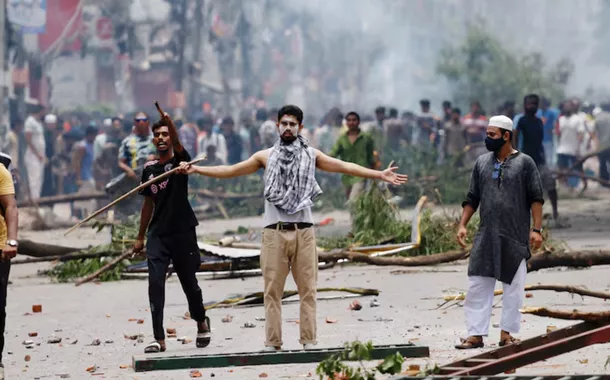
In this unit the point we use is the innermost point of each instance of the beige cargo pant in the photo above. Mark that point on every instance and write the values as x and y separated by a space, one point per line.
282 252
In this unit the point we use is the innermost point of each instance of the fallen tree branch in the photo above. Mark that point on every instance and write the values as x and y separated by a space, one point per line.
105 268
583 259
63 258
556 288
581 176
33 249
573 315
439 258
62 198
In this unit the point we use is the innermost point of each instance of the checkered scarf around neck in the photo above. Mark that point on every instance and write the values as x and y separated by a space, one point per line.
290 181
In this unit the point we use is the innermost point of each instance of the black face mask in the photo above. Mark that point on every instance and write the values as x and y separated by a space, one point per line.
494 145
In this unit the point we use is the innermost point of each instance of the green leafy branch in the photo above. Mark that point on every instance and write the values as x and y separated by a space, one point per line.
334 368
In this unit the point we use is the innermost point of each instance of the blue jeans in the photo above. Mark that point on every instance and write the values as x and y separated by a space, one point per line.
564 162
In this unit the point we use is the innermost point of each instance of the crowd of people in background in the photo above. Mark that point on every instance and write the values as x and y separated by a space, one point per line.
63 154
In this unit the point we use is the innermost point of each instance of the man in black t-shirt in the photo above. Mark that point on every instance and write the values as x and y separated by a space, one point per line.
532 129
171 222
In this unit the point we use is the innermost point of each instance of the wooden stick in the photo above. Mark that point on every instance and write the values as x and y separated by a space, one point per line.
556 288
569 315
63 258
105 268
131 192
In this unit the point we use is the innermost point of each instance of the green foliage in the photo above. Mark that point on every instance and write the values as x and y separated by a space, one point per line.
376 220
483 69
333 367
70 270
123 237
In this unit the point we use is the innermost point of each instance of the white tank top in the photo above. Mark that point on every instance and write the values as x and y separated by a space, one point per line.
274 215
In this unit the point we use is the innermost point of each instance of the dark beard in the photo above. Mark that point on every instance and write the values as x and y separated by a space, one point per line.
288 140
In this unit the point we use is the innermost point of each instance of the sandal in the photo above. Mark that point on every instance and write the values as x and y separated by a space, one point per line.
153 348
509 340
469 344
204 337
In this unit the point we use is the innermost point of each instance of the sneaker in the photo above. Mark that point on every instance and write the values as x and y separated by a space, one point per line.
309 346
271 349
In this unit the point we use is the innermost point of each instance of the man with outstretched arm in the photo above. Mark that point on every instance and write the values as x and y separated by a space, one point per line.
507 189
289 242
171 222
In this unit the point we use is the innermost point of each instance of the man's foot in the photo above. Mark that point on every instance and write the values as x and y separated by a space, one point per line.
1 371
470 343
272 348
204 335
506 339
309 346
155 347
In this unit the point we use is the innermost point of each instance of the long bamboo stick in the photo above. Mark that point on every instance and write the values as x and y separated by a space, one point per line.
131 192
105 268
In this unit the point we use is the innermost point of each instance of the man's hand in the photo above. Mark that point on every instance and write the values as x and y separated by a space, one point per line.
137 248
535 240
389 176
9 252
185 168
131 174
461 236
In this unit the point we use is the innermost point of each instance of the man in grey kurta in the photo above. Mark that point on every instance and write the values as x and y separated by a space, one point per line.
505 187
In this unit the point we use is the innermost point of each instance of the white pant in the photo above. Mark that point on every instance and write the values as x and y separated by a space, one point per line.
480 298
35 171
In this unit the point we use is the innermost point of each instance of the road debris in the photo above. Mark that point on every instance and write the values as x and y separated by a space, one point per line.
195 373
109 341
124 366
92 369
36 308
54 340
170 330
28 342
227 319
330 320
33 334
374 302
260 319
27 358
355 306
75 341
140 321
249 325
261 375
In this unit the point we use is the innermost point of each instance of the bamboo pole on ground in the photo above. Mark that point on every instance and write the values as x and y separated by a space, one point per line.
105 268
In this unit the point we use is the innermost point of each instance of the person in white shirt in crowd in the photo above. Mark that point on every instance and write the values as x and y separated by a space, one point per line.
35 151
268 130
209 136
571 130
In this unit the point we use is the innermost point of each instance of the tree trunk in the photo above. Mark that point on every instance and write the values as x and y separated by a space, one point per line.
63 198
33 249
439 258
582 259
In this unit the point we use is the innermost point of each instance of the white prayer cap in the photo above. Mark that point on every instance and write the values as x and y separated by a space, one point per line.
502 122
108 122
50 119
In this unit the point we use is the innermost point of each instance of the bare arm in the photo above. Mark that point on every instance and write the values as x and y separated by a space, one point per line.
467 213
250 166
11 215
124 167
537 215
173 134
333 165
145 216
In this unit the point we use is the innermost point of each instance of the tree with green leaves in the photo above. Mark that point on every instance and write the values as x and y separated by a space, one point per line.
483 69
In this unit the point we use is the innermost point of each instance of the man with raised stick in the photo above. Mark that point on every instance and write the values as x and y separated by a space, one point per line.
171 222
289 242
506 185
